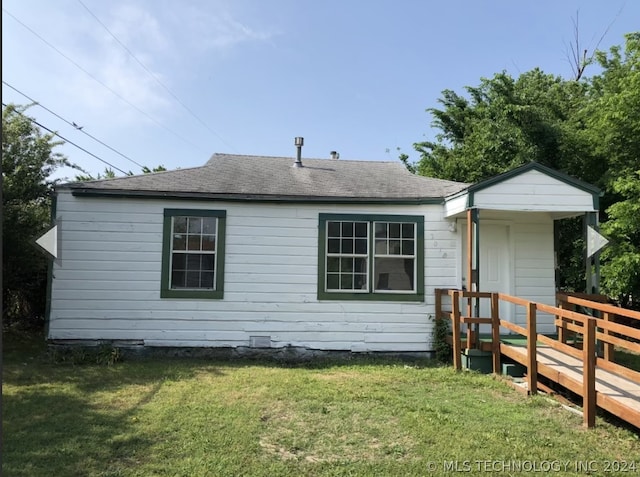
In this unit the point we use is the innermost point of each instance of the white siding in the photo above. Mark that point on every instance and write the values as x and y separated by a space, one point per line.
107 280
533 191
534 264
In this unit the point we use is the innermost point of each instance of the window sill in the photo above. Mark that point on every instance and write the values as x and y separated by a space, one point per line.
414 297
193 294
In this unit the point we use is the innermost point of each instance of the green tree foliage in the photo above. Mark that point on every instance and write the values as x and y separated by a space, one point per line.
589 129
504 123
28 160
110 173
613 118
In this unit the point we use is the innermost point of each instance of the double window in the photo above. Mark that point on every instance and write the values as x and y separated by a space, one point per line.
193 253
372 257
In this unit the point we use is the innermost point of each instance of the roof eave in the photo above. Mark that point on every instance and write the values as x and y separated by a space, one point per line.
141 194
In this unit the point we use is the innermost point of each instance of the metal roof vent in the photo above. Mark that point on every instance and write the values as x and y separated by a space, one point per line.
334 155
299 142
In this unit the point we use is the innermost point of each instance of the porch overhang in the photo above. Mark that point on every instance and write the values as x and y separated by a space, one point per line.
530 188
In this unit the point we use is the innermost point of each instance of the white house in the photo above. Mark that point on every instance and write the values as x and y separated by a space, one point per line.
250 251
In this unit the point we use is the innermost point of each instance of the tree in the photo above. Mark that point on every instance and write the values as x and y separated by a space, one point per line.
28 160
589 129
613 119
110 173
503 123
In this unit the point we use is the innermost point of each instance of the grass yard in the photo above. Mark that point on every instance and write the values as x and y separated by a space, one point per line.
199 418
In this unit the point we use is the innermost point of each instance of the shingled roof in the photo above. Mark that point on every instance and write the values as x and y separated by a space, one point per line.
239 177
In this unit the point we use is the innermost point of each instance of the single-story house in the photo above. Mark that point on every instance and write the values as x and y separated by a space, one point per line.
319 254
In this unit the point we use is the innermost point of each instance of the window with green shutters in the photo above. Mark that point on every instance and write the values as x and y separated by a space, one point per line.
371 257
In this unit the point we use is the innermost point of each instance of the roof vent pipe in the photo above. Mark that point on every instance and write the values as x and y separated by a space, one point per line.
334 155
299 142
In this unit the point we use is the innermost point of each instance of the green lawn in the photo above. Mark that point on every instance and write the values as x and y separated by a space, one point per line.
196 418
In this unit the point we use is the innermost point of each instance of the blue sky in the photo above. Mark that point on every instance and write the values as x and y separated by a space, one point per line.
247 76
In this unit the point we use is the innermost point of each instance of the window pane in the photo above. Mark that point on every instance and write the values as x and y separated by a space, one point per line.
361 246
334 246
360 281
193 242
394 274
209 225
180 225
209 242
361 229
195 225
179 261
179 242
193 262
394 247
333 264
333 281
346 282
334 229
394 230
206 280
381 246
347 246
360 265
407 247
177 279
346 264
193 279
208 262
407 230
347 229
381 230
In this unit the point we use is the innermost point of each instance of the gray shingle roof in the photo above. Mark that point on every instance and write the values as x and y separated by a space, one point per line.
274 178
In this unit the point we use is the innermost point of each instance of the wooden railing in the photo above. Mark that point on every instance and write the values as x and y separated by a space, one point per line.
590 330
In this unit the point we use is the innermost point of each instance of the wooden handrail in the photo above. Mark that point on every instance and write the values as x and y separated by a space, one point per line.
513 327
592 329
616 310
513 299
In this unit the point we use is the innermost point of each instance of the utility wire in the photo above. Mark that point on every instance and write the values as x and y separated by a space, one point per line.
100 82
68 141
166 88
79 128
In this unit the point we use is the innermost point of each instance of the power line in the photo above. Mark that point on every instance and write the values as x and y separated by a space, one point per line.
68 141
70 123
166 88
100 82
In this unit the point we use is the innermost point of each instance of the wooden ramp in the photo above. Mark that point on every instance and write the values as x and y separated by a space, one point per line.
614 393
570 359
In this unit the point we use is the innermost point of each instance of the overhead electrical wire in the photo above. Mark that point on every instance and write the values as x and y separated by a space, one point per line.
72 124
69 141
148 116
166 88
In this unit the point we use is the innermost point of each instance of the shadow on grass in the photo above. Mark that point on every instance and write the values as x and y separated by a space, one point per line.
46 429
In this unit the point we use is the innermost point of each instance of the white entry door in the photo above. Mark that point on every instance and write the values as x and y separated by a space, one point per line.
495 267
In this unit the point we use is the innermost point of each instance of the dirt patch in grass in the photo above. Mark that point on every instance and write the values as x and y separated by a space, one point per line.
333 433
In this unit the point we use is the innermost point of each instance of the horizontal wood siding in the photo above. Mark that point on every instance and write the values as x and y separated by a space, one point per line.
107 280
534 264
534 191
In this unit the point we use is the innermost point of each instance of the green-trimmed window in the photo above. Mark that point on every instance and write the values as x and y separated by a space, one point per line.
371 257
193 253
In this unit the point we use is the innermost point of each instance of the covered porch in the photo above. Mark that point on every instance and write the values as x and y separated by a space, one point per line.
507 229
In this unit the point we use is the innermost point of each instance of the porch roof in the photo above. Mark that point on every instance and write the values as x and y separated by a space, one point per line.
529 188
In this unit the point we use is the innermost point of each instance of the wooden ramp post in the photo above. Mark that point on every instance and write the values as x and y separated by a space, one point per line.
589 373
532 351
455 312
495 332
